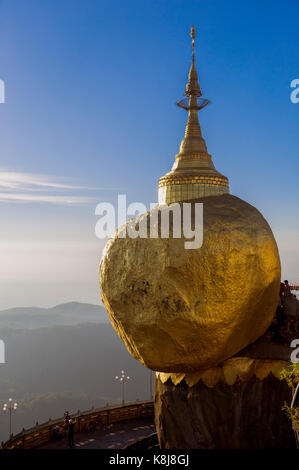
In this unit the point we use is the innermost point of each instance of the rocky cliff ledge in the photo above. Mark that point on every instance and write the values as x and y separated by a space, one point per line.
236 405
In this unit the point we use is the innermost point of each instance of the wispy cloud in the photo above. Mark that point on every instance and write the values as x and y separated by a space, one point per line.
53 199
13 180
18 187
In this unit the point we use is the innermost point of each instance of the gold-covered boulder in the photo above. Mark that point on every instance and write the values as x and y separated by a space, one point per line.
184 310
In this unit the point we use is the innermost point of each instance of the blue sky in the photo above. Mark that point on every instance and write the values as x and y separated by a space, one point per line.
89 113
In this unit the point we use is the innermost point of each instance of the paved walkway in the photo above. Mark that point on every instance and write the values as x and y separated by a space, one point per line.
115 436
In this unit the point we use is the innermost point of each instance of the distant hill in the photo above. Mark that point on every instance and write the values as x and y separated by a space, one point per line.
72 313
50 370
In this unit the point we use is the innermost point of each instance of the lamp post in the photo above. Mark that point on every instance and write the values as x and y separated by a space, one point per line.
10 407
122 379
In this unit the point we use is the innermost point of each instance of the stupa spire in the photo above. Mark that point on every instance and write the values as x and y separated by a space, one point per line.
193 88
193 174
193 140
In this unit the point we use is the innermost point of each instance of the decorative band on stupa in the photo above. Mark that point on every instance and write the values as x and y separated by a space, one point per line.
193 174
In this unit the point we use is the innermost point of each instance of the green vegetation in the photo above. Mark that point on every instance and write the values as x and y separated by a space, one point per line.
292 413
291 375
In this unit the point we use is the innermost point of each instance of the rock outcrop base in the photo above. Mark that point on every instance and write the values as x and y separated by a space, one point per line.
246 415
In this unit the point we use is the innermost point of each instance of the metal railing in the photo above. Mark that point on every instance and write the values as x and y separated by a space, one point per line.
41 434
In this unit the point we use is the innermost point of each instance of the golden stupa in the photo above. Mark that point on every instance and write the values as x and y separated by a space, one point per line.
187 310
193 174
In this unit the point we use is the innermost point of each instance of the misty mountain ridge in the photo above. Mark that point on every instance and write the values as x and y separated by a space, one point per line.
65 367
71 313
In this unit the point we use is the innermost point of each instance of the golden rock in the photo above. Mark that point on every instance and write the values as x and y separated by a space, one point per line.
184 310
187 310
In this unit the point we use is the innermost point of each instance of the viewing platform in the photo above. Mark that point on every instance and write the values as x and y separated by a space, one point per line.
111 427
